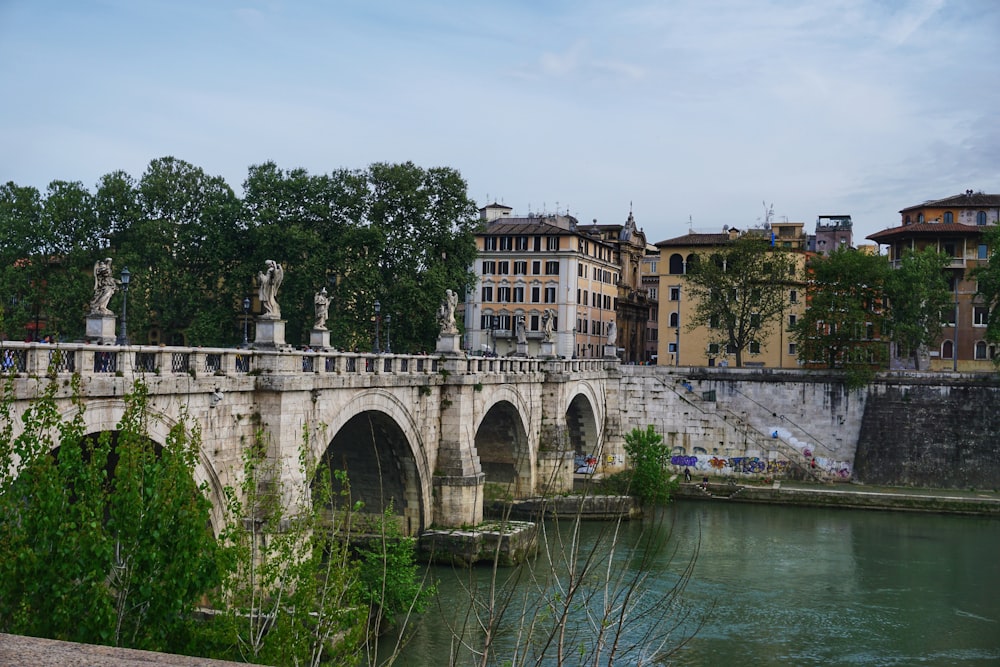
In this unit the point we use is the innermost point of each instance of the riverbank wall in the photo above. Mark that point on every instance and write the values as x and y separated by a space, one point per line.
939 430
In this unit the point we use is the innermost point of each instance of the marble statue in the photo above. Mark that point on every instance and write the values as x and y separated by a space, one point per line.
446 313
322 304
104 288
269 280
522 334
548 322
612 332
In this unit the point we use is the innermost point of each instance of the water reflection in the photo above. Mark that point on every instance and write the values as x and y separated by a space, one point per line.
791 586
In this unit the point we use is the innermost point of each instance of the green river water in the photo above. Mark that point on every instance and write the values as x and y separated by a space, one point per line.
785 586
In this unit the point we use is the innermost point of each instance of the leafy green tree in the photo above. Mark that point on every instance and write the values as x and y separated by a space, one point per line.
842 326
988 291
740 291
104 539
648 457
291 595
918 298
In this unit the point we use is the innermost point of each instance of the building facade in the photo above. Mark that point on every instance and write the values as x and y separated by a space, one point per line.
680 344
529 265
955 226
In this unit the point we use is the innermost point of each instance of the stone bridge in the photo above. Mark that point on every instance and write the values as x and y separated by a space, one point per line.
431 434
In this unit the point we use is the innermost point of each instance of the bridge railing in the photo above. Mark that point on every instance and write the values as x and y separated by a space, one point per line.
47 359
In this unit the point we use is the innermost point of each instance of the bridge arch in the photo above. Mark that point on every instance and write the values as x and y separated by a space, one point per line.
376 440
106 414
585 420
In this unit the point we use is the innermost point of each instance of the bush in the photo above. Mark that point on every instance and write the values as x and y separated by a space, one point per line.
648 455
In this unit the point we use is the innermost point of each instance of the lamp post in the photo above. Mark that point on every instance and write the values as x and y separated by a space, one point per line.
125 278
378 311
388 323
494 325
246 317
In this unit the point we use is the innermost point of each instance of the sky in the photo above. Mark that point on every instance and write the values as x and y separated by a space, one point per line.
691 114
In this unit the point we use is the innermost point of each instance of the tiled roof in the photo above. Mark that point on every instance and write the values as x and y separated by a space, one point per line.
926 229
694 238
964 200
505 226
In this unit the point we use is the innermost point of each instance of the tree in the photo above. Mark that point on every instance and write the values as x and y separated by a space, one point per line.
843 323
919 299
648 455
740 292
988 279
104 539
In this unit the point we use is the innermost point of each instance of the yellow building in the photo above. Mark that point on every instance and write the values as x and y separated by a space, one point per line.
682 345
528 265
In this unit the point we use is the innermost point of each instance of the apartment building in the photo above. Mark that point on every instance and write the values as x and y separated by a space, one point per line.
955 226
683 345
528 265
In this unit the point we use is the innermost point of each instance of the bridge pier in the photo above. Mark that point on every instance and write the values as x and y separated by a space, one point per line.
459 479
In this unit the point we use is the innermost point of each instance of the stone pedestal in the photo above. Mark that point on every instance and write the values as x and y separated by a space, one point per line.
522 350
449 344
610 351
319 339
101 329
270 333
548 348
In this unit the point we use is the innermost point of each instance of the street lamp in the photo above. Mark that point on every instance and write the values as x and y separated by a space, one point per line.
246 316
388 323
378 311
494 325
126 277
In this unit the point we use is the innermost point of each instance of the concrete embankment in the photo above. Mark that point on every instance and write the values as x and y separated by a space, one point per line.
848 496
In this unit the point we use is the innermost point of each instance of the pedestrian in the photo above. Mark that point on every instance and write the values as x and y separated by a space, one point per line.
687 475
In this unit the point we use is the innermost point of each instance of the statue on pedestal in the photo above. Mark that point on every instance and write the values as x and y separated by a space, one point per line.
268 281
612 332
548 323
322 304
522 334
446 313
104 288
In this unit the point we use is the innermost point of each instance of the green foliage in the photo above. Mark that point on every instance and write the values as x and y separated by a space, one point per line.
919 297
102 540
843 324
987 277
389 574
648 457
740 291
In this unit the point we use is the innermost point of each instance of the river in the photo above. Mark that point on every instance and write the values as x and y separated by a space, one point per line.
773 585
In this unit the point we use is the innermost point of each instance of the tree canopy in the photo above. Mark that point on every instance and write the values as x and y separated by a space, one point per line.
399 234
740 291
988 280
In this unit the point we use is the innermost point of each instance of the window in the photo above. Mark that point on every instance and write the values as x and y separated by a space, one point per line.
552 243
584 301
490 243
520 268
676 266
672 348
580 270
947 349
652 293
607 302
503 268
652 267
982 251
489 267
552 267
521 243
869 330
674 319
536 268
519 294
731 348
754 347
755 320
920 217
713 348
981 218
505 243
675 293
485 321
792 348
949 217
980 316
503 294
713 322
534 323
550 295
537 244
535 291
792 319
793 296
981 350
487 293
504 322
